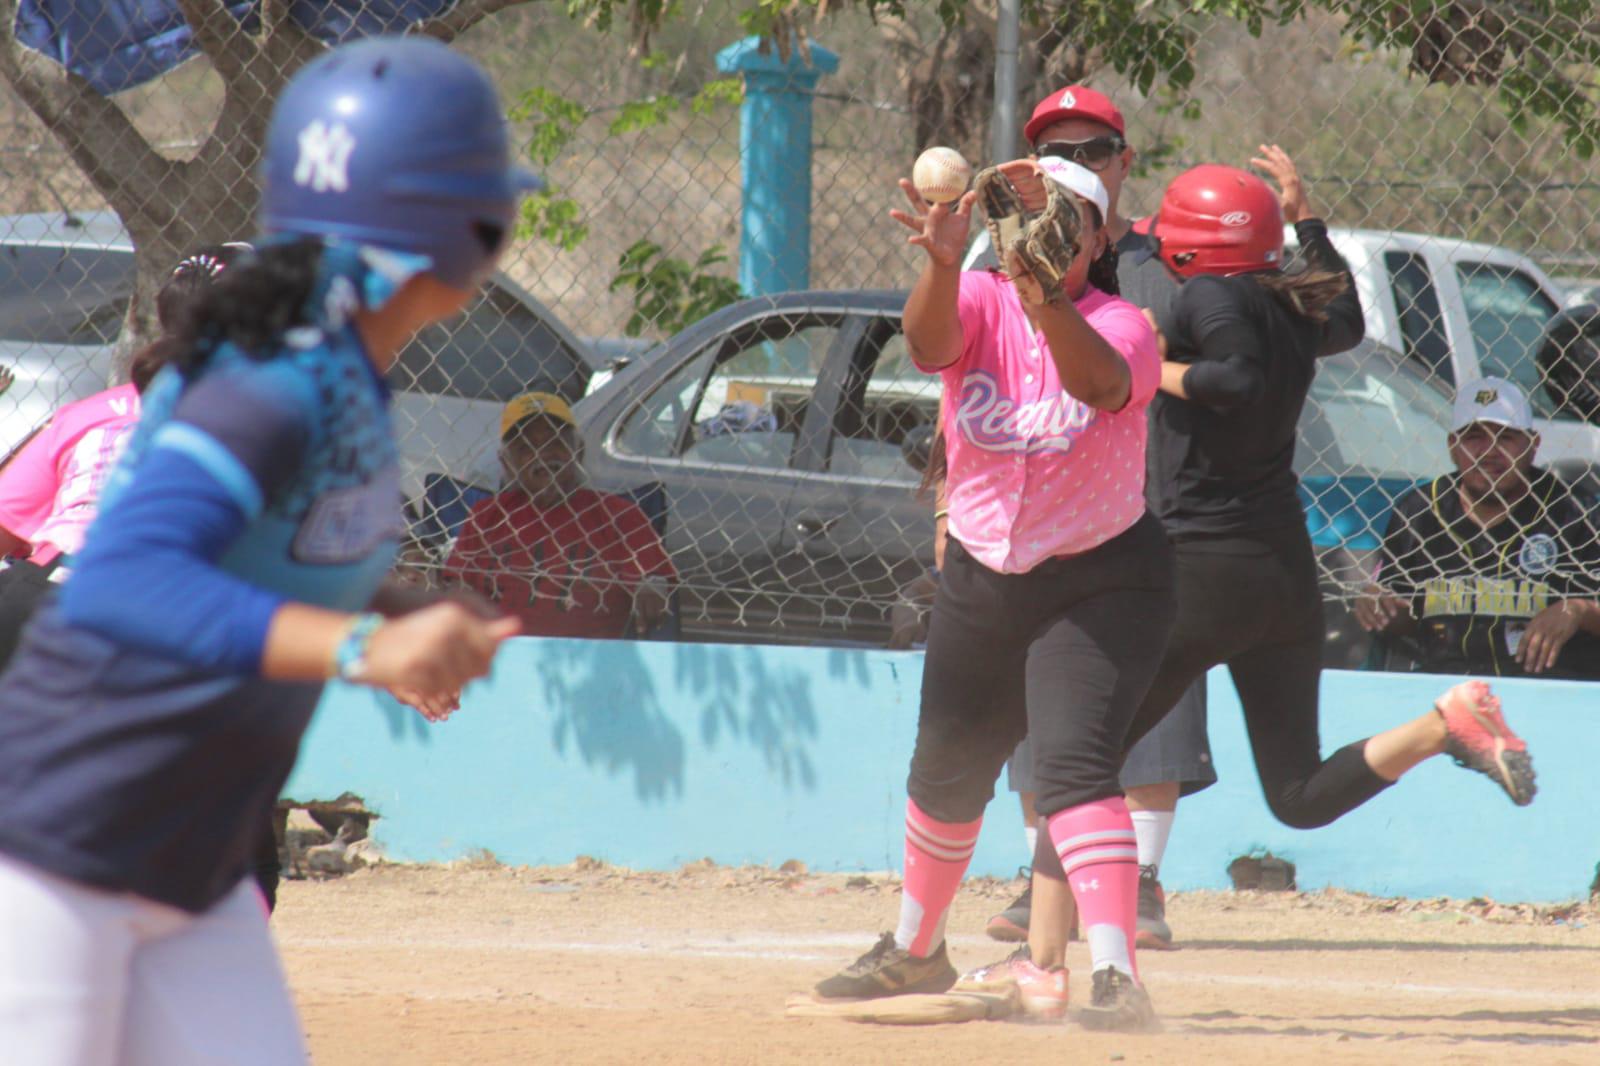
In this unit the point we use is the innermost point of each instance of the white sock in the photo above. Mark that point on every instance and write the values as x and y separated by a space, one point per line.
1032 833
1108 946
1151 829
905 934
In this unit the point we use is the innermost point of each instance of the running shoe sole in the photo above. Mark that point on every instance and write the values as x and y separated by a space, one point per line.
1510 768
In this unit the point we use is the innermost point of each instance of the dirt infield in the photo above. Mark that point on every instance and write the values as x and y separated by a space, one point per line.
484 964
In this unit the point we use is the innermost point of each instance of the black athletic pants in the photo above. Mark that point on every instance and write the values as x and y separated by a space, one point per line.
1253 603
1062 653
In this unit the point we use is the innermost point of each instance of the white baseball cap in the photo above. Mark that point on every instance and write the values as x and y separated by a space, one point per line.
1494 400
1081 180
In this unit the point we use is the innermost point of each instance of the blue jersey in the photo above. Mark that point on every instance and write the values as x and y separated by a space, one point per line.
140 750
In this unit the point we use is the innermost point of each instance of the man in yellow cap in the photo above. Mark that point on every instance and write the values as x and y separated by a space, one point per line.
567 560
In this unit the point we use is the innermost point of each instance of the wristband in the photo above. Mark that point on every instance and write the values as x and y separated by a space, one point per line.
350 658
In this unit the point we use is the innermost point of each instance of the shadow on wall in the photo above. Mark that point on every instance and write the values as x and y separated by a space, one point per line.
616 704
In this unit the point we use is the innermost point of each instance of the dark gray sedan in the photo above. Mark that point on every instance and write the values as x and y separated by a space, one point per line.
771 442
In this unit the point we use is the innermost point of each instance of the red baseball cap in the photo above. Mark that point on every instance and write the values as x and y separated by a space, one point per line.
1075 101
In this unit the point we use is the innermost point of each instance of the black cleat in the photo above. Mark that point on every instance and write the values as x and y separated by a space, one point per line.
887 970
1011 924
1153 930
1117 1004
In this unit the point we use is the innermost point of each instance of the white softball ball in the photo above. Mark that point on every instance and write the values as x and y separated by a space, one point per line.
941 175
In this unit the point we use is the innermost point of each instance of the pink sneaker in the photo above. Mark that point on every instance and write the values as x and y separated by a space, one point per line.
1043 993
1480 740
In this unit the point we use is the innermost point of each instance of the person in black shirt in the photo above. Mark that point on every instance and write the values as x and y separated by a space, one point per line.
1243 339
1492 569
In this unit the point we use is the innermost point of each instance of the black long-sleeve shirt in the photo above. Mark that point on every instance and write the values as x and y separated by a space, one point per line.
1220 460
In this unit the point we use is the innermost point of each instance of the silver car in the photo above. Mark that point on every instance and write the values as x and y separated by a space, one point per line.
65 289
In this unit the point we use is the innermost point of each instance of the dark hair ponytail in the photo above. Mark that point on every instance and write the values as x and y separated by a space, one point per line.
934 473
1306 293
189 280
249 305
1103 271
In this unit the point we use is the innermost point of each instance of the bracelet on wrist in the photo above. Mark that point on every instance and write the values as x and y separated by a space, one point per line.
350 657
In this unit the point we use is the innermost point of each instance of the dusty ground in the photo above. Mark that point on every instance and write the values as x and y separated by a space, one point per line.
483 964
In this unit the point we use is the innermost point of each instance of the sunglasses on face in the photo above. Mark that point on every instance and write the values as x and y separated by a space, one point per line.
1096 153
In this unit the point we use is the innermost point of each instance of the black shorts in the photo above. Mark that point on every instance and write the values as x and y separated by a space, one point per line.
1178 749
1063 653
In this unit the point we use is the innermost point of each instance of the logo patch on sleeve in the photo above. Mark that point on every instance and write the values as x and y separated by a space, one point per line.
346 524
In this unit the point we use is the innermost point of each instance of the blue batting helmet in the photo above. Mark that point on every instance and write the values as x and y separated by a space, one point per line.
397 142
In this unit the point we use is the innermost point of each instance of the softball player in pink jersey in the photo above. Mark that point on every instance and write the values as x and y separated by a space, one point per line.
1056 597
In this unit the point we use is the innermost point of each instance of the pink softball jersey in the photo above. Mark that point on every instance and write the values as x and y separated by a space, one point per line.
1033 471
50 491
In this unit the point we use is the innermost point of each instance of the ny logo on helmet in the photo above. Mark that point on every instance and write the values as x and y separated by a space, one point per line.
1486 397
324 157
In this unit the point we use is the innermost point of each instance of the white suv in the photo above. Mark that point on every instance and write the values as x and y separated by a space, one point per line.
65 282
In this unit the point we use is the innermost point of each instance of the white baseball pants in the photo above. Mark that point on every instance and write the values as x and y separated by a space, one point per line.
94 978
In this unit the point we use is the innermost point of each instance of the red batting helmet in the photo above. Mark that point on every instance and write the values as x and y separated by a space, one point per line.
1219 220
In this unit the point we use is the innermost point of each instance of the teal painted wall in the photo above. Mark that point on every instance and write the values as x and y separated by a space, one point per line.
651 754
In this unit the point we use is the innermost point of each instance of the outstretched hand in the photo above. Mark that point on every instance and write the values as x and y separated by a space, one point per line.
1291 190
938 229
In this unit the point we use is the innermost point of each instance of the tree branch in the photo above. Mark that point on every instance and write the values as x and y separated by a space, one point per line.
95 132
461 18
219 35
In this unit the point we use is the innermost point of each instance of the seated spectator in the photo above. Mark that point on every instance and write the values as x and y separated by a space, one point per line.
1492 569
567 560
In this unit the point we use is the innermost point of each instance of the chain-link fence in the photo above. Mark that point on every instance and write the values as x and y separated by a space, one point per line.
773 447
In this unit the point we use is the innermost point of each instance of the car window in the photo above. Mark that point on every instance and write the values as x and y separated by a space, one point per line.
63 295
880 407
1421 320
1507 312
740 402
499 349
1367 414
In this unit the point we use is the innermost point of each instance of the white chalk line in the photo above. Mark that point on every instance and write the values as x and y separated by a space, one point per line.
782 948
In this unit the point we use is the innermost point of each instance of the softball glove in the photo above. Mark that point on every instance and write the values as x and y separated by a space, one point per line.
1034 224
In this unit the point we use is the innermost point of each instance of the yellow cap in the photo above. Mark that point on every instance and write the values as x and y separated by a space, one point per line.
535 403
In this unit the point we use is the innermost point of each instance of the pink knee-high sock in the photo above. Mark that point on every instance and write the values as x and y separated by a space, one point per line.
1100 854
937 854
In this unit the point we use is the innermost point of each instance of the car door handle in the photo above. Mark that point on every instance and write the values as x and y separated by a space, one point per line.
813 528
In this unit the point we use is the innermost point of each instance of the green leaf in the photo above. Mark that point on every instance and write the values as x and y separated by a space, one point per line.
670 293
643 114
716 93
555 219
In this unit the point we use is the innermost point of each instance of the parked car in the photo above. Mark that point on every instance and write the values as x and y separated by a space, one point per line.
1458 310
65 283
775 427
1461 310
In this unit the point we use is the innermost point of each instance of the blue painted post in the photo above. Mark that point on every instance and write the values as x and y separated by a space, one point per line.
775 154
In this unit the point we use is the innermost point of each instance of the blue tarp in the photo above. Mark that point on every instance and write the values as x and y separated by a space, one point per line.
118 44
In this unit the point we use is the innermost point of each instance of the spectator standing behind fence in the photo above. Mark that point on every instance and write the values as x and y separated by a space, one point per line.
565 559
1492 569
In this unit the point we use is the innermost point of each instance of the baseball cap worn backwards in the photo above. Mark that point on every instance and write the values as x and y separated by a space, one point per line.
1493 400
1081 180
529 404
1075 101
